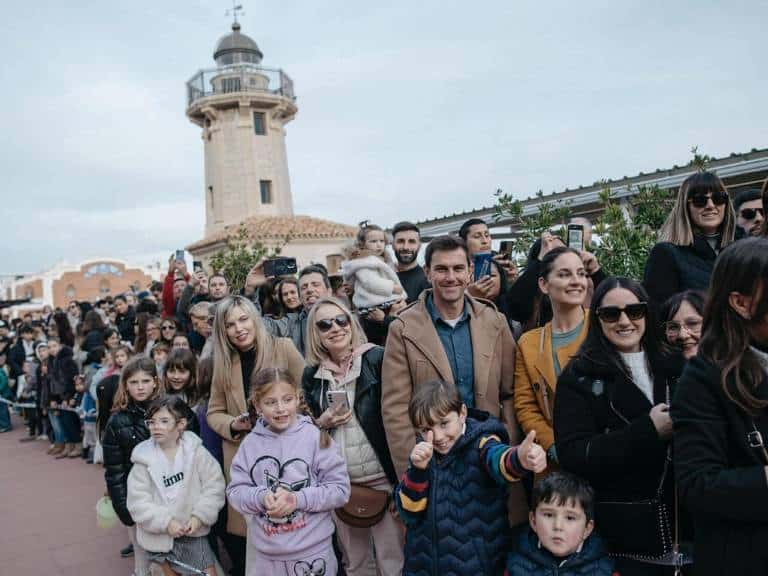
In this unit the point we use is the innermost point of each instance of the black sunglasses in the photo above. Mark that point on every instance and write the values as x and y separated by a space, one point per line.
327 323
700 200
611 314
750 213
168 327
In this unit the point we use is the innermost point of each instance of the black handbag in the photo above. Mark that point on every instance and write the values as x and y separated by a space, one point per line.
641 529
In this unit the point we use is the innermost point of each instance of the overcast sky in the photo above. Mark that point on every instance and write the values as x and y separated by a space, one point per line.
407 110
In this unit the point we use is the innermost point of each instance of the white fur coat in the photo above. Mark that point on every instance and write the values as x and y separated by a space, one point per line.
372 280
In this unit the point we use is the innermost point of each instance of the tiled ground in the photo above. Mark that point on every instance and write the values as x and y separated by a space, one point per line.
48 514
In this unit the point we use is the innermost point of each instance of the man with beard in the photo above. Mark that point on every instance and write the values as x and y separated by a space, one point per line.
406 242
750 214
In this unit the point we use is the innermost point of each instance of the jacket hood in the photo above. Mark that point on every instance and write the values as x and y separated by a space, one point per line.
349 267
590 552
64 352
261 429
145 453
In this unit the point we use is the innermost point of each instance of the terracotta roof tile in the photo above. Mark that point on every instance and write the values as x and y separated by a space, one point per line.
279 228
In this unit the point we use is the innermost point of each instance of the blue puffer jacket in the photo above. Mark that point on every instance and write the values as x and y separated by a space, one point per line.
531 560
464 529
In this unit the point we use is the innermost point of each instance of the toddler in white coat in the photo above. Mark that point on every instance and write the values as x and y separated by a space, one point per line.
370 273
175 492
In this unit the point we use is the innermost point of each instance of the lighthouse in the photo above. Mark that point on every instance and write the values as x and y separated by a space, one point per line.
242 108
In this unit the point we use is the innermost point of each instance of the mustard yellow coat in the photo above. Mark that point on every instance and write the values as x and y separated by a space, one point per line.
535 379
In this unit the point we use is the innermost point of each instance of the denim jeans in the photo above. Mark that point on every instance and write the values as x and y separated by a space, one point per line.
70 426
58 431
5 417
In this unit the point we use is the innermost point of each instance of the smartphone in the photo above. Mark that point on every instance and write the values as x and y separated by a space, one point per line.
338 400
482 265
505 249
281 266
197 265
180 255
576 237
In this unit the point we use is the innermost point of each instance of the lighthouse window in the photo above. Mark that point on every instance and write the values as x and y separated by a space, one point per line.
266 191
258 123
230 85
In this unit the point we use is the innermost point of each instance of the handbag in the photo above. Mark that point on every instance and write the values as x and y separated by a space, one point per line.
365 508
640 529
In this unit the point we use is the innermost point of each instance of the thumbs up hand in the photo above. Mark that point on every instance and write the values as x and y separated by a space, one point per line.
531 455
422 452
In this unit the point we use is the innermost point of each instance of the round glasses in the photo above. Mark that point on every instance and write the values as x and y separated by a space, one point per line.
692 325
160 423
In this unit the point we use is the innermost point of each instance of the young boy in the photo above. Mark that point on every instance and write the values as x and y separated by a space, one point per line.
453 495
560 539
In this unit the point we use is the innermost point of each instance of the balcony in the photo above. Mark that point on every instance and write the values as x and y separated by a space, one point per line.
239 78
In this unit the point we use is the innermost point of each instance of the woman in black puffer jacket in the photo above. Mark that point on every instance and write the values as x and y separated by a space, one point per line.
139 385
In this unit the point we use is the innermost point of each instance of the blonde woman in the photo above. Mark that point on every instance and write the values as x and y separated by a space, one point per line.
342 387
241 347
700 225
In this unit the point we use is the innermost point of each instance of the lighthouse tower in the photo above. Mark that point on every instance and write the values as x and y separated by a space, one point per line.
242 108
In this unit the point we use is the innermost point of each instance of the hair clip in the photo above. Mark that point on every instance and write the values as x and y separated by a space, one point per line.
365 223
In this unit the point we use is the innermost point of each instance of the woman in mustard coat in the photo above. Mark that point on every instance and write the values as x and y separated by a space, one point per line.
543 353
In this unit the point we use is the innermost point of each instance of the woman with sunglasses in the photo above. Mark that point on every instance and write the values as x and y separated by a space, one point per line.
168 329
342 387
720 416
683 317
611 414
700 225
241 347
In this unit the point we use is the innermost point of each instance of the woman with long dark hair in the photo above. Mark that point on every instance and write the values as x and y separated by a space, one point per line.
699 226
64 329
611 418
92 331
720 415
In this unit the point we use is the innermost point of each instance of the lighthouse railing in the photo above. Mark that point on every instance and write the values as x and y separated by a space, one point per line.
239 78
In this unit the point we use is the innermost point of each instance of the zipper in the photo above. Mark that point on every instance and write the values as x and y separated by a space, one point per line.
433 522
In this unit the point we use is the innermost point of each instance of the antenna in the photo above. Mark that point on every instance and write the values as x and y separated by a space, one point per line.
235 9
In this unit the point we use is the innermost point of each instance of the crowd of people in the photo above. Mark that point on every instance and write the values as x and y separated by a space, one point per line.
457 417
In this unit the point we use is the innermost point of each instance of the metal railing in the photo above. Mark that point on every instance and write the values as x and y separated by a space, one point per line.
239 78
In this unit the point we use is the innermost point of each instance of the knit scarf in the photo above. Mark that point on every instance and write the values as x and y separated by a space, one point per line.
339 370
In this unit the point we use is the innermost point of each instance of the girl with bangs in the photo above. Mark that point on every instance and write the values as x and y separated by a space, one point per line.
180 379
720 416
701 224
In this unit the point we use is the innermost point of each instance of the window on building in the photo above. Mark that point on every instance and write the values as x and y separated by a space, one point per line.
230 85
28 293
70 292
258 123
210 196
265 187
104 287
333 263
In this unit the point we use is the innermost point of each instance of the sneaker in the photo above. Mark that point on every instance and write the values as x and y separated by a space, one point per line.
42 437
27 439
4 430
127 552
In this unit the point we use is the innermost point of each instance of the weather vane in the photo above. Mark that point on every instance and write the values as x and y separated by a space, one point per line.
235 9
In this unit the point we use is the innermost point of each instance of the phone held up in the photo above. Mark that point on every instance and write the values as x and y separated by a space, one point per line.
481 264
179 256
281 266
576 237
338 400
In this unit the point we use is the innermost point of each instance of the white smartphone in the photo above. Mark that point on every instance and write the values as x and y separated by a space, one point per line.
338 400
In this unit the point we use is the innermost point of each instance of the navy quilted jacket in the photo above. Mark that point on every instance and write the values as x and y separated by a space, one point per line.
464 529
530 560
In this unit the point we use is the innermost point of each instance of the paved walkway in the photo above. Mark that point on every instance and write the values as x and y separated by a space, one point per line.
48 514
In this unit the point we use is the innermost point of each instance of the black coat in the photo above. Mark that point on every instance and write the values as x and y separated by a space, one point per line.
603 432
722 479
124 323
93 339
62 370
671 269
367 406
124 430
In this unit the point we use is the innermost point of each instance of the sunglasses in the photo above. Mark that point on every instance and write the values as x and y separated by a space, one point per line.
169 327
327 323
611 314
750 213
700 200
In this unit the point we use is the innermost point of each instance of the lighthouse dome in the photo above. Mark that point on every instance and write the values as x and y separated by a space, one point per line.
236 48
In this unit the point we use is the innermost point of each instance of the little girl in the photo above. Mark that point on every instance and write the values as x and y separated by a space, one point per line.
180 379
175 491
287 477
125 429
369 271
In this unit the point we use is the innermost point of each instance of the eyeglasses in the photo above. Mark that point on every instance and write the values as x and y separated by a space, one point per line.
169 327
161 423
700 200
611 314
750 213
327 323
692 326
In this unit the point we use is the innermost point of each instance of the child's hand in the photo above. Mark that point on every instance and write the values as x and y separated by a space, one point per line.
175 529
285 503
397 289
532 456
192 526
376 315
422 452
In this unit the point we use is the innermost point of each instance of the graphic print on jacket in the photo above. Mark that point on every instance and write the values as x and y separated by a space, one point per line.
293 476
316 568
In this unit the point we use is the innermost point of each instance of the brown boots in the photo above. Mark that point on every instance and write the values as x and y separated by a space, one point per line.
56 449
68 451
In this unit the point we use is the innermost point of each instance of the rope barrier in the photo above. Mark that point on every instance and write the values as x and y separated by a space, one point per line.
61 407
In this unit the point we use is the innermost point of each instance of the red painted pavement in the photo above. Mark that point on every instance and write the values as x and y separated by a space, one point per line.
48 514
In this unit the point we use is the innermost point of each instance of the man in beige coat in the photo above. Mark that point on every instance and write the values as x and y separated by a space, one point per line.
446 334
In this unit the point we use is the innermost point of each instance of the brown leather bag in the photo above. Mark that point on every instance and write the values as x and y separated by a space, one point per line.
366 507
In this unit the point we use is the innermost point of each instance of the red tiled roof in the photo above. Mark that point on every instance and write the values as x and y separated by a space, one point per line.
281 228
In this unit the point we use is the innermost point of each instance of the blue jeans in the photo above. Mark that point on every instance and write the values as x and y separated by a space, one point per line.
5 417
58 431
70 424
